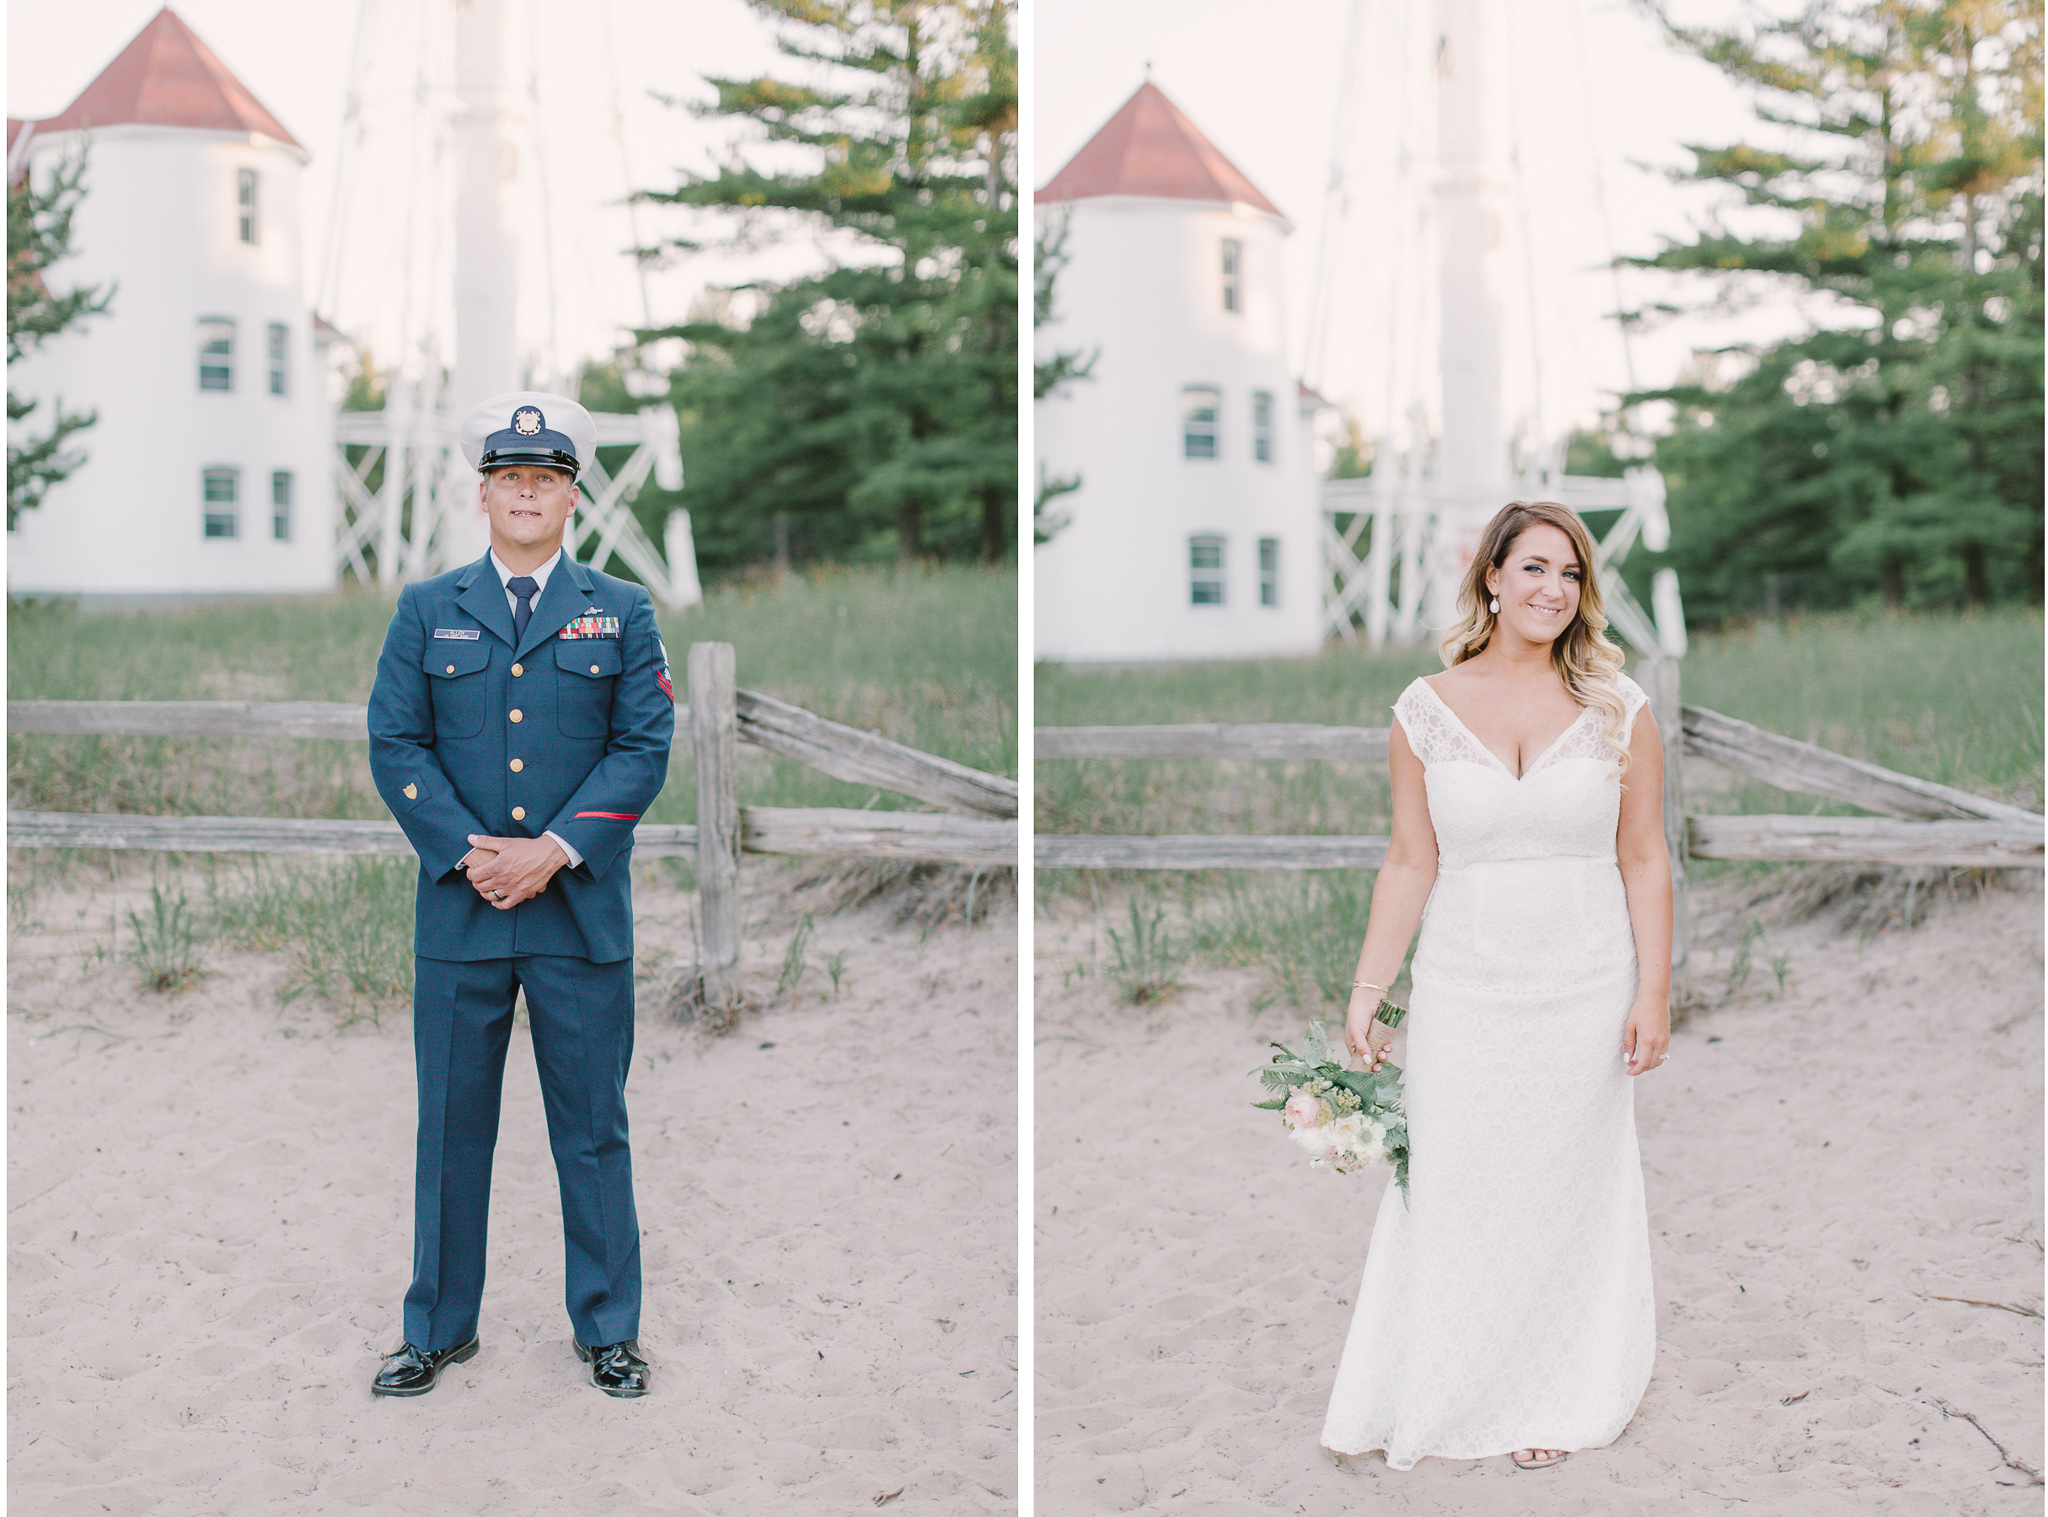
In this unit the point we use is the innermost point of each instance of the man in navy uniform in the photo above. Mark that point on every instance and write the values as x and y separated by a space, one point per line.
519 727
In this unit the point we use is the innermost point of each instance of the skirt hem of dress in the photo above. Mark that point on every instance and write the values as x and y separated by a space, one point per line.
1408 1462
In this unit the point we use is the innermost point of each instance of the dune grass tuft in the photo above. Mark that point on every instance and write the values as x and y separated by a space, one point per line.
344 927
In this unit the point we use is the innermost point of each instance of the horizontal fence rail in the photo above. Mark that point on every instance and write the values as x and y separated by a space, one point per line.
202 834
1210 740
1271 740
1066 851
987 835
719 717
1936 824
821 832
836 832
1865 840
191 718
846 753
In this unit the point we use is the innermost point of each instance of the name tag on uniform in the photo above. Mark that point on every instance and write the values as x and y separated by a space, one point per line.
467 634
591 626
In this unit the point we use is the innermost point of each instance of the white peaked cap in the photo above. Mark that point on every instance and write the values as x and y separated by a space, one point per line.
560 413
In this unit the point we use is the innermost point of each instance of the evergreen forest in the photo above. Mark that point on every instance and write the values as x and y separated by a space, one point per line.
1893 453
867 411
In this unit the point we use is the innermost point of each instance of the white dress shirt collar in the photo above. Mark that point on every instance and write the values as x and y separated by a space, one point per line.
539 576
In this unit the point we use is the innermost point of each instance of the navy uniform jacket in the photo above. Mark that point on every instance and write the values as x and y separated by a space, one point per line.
567 732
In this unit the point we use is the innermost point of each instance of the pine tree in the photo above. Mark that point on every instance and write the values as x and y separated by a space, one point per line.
38 236
1896 449
872 405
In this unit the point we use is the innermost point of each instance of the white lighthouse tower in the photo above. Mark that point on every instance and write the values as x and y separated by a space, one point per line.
209 471
1194 533
1452 452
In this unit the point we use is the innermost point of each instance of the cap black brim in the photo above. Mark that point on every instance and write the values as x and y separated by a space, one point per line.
547 458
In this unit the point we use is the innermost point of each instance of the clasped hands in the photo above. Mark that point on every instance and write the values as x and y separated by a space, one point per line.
506 871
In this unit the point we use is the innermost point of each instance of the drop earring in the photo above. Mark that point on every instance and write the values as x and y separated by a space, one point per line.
1494 605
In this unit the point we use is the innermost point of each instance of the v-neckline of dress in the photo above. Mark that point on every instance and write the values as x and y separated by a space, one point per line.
1533 765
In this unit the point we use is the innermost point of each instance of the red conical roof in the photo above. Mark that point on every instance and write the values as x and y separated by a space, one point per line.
1149 148
168 77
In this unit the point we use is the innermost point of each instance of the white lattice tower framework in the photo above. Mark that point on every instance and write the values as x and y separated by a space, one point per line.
1424 518
424 517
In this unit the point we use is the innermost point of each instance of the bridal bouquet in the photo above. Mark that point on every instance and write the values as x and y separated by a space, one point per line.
1346 1118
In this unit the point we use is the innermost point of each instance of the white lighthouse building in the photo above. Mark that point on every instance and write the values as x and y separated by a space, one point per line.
1194 533
210 469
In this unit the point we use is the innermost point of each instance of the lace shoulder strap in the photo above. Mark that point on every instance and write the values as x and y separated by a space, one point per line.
1633 697
1431 735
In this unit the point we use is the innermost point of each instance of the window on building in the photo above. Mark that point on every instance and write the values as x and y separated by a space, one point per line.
279 341
1233 274
1198 409
1262 426
245 203
1205 571
216 354
1269 571
281 505
220 495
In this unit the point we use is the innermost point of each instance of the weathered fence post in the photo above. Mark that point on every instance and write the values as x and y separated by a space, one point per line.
1659 679
714 722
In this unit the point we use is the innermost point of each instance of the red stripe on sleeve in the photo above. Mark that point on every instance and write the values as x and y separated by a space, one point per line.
610 816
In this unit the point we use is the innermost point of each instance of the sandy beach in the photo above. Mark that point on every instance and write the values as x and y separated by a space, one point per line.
210 1205
1823 1159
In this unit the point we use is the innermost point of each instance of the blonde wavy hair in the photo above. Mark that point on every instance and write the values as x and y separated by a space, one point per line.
1585 660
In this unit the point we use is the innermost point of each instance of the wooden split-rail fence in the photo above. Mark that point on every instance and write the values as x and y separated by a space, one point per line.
976 826
1918 821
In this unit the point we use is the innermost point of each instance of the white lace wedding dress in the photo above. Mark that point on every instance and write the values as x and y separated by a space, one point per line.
1506 1302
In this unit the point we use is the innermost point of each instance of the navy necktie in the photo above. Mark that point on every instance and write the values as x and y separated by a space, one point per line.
523 586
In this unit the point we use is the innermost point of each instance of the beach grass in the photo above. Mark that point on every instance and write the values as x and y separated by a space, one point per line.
925 655
344 926
1955 698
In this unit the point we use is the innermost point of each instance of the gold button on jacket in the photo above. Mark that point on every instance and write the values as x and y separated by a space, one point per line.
517 765
518 813
516 716
517 670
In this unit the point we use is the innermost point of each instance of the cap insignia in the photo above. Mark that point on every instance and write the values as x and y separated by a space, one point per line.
527 421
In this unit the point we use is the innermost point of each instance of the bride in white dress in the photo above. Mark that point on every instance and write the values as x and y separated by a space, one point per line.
1506 1306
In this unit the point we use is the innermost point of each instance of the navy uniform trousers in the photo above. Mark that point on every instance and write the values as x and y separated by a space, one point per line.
563 729
581 1015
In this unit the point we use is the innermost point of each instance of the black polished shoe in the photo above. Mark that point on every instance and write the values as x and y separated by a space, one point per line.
413 1371
616 1368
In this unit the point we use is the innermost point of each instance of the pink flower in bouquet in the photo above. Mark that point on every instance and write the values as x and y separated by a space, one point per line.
1304 1110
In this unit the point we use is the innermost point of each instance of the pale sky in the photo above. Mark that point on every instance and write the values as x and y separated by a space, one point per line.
1262 82
1596 85
296 58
